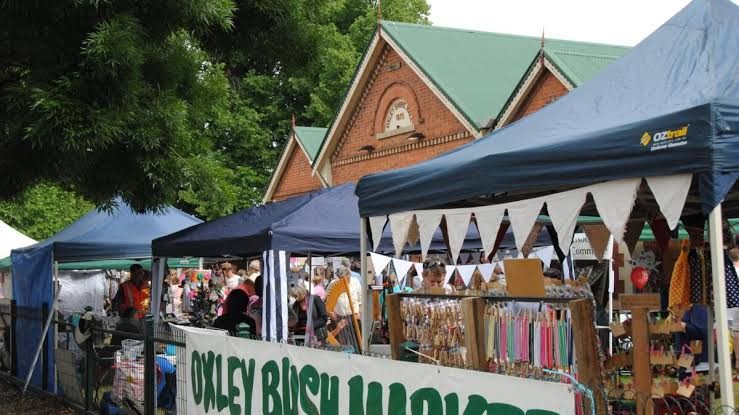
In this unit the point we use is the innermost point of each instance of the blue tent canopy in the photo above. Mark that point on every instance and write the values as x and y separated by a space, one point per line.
669 106
322 222
118 234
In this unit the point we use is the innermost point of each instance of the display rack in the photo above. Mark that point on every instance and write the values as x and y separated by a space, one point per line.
473 308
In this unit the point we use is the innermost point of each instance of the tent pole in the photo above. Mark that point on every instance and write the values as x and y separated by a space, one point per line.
719 302
157 278
57 288
367 307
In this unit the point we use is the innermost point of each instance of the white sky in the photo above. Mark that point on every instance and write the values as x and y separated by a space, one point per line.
620 22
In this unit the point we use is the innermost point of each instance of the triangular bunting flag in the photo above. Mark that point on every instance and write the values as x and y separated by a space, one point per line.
488 221
545 253
379 262
428 222
501 265
466 271
401 267
670 193
456 230
564 212
400 223
615 200
449 272
487 271
523 215
531 239
598 237
377 225
633 232
402 282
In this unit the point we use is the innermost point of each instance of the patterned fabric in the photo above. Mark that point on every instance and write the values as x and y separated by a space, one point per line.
680 281
701 286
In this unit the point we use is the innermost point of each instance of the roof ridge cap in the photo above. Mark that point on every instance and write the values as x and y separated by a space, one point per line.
575 53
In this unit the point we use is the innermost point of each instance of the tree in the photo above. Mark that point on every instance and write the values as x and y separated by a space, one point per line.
43 210
108 97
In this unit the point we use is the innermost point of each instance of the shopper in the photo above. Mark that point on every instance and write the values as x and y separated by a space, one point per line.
235 308
434 276
254 270
301 307
230 278
134 293
318 279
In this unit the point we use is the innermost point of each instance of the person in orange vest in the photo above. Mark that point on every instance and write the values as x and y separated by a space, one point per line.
134 293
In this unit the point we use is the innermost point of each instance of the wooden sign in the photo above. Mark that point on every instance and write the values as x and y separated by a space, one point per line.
524 277
647 301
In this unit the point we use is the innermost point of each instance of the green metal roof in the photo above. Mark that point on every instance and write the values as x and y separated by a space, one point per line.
311 138
579 67
478 71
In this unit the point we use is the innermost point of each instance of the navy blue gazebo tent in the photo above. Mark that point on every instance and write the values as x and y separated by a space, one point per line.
667 109
118 234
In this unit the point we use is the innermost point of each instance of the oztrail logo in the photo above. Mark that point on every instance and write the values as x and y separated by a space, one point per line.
665 139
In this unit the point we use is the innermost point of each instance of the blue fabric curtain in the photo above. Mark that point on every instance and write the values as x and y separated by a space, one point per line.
32 288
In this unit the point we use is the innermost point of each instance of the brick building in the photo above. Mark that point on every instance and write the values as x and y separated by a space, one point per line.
421 91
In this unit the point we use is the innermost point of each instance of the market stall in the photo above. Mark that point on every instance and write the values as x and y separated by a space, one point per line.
9 239
118 234
652 137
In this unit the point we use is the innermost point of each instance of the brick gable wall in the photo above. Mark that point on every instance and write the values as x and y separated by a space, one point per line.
297 177
393 79
545 91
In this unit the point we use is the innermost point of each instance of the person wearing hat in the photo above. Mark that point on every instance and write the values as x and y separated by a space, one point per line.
134 293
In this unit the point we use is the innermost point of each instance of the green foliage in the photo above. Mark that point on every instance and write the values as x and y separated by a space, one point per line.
43 210
187 103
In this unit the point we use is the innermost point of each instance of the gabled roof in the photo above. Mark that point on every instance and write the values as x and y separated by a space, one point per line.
478 71
310 139
579 67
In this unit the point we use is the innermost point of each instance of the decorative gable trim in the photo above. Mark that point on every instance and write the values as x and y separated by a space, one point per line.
376 52
371 55
432 86
522 92
280 170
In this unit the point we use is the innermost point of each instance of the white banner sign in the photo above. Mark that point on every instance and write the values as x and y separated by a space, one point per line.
238 376
582 251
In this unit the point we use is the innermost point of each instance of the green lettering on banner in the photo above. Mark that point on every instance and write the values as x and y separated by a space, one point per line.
247 378
309 382
476 405
221 399
356 395
540 412
451 401
234 364
290 388
374 399
428 398
196 377
329 395
504 409
397 401
270 385
209 393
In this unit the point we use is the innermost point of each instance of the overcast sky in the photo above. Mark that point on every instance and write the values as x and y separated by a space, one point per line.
620 22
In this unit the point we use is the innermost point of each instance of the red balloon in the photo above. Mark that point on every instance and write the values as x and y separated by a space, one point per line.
639 277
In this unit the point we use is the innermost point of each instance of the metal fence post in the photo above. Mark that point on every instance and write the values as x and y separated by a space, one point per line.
45 351
13 350
90 366
149 369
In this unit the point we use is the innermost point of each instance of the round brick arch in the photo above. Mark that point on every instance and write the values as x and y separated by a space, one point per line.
396 91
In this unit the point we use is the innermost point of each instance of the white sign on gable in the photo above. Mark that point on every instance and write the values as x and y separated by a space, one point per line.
397 116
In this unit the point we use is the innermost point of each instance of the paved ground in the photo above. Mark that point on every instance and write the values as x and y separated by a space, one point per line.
31 404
